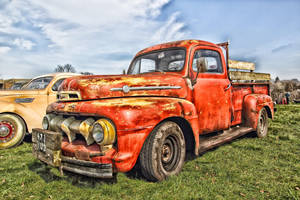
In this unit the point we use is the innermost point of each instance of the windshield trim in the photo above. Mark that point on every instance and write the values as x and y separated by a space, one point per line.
156 51
25 86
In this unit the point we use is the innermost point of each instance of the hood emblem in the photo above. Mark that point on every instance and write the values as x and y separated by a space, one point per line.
127 89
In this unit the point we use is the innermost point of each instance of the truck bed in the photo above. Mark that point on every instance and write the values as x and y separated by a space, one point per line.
239 91
244 83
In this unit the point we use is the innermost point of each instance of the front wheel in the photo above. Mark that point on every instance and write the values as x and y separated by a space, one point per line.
163 152
262 124
12 130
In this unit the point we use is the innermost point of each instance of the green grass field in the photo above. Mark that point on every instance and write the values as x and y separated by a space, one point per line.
247 168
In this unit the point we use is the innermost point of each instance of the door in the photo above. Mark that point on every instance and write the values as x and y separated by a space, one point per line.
36 109
211 91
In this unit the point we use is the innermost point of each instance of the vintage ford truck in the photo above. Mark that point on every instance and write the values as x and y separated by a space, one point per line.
174 99
20 110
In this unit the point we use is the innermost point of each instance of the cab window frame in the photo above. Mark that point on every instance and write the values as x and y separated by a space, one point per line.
218 61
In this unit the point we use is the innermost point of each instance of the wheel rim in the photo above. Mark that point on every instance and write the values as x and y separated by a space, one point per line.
262 121
7 131
170 153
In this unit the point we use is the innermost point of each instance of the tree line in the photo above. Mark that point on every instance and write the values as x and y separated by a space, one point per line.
69 68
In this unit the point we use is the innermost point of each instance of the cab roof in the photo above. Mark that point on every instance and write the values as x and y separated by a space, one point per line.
57 74
180 43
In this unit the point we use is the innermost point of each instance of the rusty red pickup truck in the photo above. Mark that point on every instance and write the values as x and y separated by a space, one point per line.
176 98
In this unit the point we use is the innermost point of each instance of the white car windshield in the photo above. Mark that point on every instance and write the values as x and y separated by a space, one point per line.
38 83
171 60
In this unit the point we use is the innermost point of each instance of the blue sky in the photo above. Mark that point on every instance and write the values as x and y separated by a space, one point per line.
102 36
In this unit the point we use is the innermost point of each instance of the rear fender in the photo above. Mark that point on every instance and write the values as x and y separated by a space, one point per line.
253 103
20 110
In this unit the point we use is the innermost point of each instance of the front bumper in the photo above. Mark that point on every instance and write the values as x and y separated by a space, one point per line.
47 147
87 168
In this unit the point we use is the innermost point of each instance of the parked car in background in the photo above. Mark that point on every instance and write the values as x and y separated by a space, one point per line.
22 109
18 85
13 83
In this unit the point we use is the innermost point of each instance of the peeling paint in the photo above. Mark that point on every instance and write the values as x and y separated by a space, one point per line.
207 105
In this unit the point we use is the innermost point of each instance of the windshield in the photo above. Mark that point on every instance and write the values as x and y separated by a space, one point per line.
38 83
162 61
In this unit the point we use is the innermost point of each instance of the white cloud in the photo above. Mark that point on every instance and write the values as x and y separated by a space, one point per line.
171 30
23 44
79 32
4 49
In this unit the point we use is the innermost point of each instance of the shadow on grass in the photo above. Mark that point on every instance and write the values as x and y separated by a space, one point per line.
136 172
45 172
27 138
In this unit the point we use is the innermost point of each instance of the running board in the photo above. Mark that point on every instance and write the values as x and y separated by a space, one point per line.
206 142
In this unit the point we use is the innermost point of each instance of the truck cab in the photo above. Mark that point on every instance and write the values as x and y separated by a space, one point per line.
176 98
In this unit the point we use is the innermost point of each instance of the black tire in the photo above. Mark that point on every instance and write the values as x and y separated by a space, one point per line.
262 124
163 152
12 130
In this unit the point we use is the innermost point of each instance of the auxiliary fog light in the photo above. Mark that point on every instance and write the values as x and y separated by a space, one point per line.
104 132
46 121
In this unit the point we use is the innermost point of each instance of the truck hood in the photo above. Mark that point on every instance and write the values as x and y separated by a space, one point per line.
109 86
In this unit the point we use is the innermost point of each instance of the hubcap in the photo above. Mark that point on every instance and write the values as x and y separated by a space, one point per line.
6 131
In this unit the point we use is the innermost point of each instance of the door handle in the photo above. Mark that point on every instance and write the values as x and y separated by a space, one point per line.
228 86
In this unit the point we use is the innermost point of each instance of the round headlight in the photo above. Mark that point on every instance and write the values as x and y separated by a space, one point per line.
98 133
45 123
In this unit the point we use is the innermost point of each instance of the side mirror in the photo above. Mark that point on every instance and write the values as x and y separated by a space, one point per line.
202 66
124 71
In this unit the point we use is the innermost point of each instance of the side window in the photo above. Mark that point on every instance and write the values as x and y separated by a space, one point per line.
136 68
56 85
208 60
143 65
147 65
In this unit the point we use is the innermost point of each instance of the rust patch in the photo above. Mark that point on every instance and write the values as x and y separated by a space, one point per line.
82 155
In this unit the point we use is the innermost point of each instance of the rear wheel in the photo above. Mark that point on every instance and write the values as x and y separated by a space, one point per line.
262 124
12 130
163 152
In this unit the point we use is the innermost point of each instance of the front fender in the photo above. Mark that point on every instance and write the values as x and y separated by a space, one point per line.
252 104
134 118
131 139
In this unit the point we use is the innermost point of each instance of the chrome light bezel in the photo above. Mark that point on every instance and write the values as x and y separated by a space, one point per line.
47 120
99 135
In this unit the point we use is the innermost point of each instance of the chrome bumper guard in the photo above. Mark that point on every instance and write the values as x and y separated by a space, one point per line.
86 168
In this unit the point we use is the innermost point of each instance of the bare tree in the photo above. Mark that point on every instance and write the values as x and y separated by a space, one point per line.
65 68
69 68
59 68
